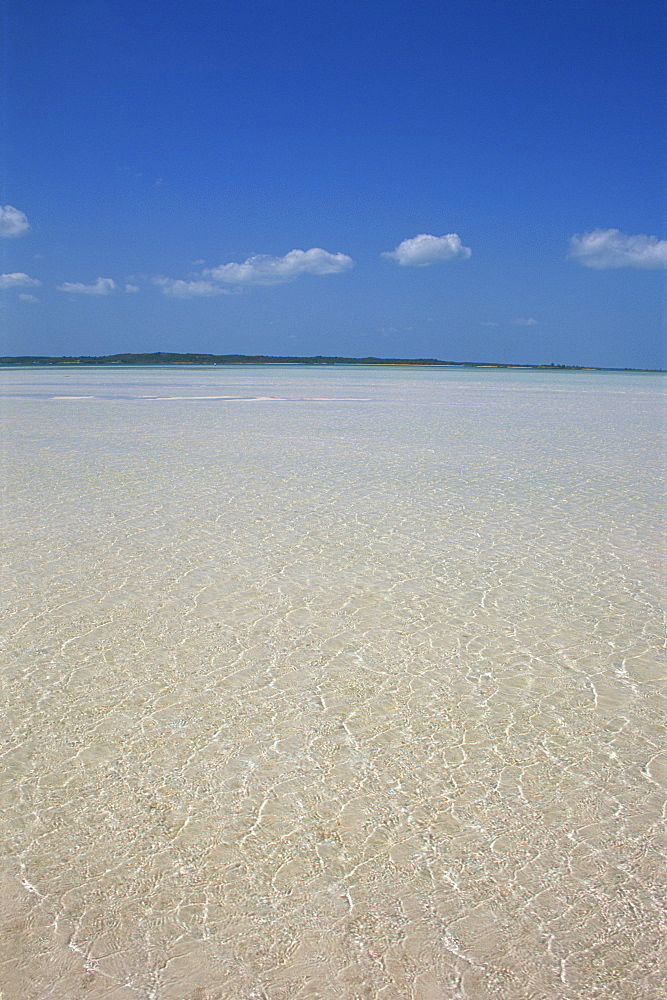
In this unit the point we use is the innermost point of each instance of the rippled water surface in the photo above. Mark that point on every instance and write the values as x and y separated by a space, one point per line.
332 683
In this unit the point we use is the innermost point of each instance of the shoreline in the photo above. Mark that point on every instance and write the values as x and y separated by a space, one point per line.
164 359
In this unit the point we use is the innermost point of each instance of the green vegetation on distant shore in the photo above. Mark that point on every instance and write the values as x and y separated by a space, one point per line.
165 358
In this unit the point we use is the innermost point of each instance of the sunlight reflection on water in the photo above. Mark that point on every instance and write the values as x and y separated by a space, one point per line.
353 693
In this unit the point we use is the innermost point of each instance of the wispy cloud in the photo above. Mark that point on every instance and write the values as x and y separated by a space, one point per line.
422 250
17 279
13 222
26 297
610 248
103 286
263 269
131 288
521 321
179 289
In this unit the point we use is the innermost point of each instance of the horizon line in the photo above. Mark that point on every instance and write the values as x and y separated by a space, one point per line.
169 357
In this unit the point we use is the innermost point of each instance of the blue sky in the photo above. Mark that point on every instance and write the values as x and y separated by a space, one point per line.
465 179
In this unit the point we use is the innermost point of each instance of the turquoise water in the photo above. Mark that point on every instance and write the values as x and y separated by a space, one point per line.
333 683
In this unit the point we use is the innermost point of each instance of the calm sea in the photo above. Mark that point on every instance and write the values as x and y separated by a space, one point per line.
332 684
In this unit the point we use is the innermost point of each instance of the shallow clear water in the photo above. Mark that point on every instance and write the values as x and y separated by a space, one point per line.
332 683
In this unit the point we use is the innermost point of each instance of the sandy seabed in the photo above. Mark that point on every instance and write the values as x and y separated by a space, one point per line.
332 684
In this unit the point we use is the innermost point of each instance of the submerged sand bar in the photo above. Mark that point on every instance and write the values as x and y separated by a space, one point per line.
356 693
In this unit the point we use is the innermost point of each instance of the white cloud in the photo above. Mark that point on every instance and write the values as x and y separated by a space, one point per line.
26 297
103 286
13 222
131 288
265 270
179 289
610 248
525 322
423 250
17 280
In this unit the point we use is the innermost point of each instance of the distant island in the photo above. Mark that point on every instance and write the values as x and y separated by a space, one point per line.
165 358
